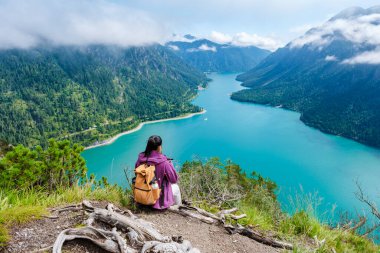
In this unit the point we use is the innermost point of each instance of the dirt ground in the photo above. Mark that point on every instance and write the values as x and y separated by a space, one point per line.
40 234
207 238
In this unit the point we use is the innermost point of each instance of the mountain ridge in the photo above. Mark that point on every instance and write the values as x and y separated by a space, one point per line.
330 75
209 56
55 91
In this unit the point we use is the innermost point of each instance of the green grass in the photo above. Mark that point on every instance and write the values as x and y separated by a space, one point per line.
257 218
18 207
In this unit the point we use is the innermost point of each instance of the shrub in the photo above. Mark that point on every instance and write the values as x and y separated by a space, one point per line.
59 165
225 184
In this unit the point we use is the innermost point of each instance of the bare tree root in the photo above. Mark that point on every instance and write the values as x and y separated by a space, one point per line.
257 236
109 241
220 218
131 234
136 235
184 211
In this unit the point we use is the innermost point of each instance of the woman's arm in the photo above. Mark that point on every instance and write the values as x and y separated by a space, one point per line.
170 172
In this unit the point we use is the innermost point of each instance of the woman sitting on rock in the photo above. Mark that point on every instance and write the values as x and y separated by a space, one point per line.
165 173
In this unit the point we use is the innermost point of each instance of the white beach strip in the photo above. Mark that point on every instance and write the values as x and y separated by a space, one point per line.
111 140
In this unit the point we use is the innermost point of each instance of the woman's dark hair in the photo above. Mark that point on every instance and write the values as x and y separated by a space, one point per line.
153 143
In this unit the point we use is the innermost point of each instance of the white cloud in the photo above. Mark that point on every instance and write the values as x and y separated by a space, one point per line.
362 30
244 39
331 58
368 57
219 37
25 23
205 47
174 47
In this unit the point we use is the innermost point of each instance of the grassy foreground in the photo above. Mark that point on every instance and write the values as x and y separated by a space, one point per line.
33 180
18 207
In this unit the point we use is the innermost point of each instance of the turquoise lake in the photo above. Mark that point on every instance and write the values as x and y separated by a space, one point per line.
271 141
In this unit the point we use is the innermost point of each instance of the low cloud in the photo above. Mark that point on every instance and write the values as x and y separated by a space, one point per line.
26 23
331 58
368 57
221 38
362 30
205 47
174 47
245 39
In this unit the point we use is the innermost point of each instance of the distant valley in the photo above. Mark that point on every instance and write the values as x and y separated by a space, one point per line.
209 56
331 75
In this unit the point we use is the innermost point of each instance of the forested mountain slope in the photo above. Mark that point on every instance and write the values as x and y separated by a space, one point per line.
331 75
209 56
86 93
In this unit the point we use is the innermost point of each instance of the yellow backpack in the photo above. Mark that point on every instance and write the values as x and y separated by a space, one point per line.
145 187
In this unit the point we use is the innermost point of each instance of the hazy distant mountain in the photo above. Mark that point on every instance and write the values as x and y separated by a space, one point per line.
209 56
61 91
331 75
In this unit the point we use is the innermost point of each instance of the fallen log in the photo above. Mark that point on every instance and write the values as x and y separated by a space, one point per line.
201 211
144 229
195 215
238 217
228 211
102 238
257 236
142 236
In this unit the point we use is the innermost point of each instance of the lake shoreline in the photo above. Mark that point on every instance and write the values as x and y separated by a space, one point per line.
114 138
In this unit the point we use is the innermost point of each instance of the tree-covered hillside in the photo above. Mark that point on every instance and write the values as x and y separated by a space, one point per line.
209 56
330 75
88 93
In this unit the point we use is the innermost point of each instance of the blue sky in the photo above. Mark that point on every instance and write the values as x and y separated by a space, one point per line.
269 23
279 18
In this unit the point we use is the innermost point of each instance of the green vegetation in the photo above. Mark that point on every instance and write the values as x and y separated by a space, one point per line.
214 186
60 165
32 180
87 94
220 58
336 98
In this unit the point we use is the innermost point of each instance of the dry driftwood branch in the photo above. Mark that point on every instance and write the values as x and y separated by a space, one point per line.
141 234
209 218
228 211
363 198
257 236
99 237
359 224
238 217
195 215
201 211
145 229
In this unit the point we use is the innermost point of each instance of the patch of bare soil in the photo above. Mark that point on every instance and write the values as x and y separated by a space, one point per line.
41 234
207 238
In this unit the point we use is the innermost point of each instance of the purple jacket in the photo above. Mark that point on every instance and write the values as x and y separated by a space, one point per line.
165 174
